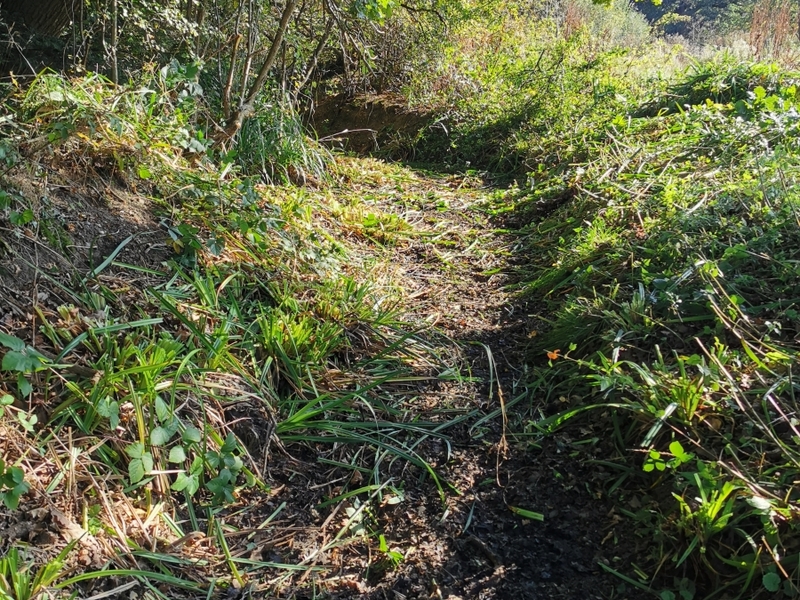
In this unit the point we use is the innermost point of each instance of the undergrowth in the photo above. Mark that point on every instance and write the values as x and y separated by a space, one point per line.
504 91
663 250
144 400
151 398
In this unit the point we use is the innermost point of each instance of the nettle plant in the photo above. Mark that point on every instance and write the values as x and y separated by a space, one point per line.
218 470
24 361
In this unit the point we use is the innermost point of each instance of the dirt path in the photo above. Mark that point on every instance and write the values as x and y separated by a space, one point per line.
472 545
431 237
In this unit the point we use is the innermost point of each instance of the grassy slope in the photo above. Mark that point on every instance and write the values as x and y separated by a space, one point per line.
662 249
157 375
659 247
671 274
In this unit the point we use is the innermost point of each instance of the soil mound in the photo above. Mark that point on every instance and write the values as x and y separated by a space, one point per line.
368 124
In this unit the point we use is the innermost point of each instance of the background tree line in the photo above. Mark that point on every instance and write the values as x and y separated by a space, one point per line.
245 47
288 53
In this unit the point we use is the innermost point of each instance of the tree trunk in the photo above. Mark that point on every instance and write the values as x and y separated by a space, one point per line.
48 17
247 105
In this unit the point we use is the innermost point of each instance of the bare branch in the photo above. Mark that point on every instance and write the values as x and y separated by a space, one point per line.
247 107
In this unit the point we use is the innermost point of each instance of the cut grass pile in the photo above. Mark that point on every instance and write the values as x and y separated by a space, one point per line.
663 254
148 385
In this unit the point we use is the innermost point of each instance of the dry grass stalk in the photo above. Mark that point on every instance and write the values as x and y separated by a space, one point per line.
772 30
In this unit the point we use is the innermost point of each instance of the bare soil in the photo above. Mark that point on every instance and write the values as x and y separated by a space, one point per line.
374 124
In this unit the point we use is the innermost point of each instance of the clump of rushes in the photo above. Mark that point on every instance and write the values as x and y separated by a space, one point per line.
664 255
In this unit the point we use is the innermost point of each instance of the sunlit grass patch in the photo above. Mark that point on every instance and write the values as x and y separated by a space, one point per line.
667 252
272 325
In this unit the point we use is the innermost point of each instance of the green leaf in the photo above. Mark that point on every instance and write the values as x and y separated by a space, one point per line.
136 470
12 342
226 475
147 462
188 483
694 360
144 172
172 425
109 409
180 483
177 455
20 219
198 466
191 435
25 361
15 493
214 459
234 463
771 582
222 486
676 449
16 361
229 445
216 245
194 485
159 436
23 385
5 400
215 485
27 422
190 71
10 499
162 410
17 475
135 450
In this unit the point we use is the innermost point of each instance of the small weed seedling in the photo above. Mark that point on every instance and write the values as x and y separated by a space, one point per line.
12 485
655 460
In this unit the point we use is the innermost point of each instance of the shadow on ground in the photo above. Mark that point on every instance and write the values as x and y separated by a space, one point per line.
473 544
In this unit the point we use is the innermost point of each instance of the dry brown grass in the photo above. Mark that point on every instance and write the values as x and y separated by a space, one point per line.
774 30
574 20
